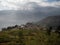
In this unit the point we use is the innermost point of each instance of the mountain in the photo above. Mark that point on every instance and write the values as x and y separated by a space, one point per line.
50 21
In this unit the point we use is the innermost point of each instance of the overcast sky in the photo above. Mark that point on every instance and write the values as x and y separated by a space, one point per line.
21 11
26 4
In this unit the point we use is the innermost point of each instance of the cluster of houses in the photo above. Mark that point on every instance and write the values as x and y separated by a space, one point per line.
32 27
26 26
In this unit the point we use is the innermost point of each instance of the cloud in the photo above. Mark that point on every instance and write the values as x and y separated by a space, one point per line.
22 4
21 11
57 0
12 17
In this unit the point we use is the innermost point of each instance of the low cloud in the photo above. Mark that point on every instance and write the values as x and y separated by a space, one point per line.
21 11
12 17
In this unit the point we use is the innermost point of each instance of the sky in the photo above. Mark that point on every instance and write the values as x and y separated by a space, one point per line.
26 4
21 11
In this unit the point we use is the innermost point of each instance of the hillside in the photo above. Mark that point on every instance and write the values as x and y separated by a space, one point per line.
32 34
50 21
29 37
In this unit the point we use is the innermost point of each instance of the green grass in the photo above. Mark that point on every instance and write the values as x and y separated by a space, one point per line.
28 37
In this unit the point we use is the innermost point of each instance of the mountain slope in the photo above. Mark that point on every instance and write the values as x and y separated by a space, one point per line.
50 21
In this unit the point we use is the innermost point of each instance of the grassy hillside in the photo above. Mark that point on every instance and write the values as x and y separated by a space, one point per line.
29 37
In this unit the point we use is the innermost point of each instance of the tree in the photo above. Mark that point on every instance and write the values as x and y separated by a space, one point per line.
49 30
16 26
4 29
9 28
58 30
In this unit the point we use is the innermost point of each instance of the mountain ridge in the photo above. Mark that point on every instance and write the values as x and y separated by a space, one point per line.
50 21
